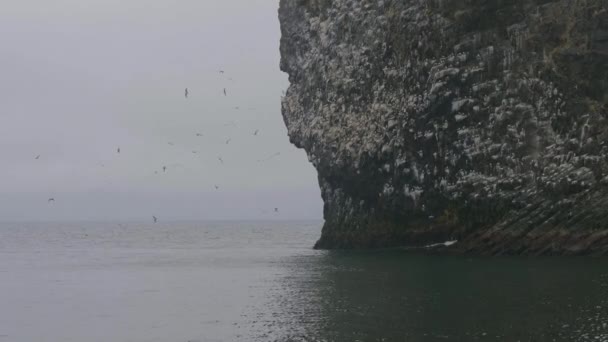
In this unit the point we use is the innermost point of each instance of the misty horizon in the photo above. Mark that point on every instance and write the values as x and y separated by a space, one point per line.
80 81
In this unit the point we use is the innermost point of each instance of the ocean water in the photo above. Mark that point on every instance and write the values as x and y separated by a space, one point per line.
239 281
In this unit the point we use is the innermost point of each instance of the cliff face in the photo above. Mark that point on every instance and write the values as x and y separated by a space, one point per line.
483 121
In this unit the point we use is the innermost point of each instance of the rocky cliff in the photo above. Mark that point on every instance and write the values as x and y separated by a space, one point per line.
483 121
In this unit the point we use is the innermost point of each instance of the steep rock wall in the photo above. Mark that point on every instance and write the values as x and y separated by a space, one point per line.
483 121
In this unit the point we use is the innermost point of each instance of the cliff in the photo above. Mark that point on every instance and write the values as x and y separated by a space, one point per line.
483 121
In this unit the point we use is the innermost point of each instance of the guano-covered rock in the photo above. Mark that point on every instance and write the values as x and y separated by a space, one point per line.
482 121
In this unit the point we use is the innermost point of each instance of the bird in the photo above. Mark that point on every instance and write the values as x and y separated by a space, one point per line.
256 132
199 134
186 92
164 169
237 107
154 218
118 150
221 71
171 143
194 152
276 210
269 158
51 200
220 159
216 187
228 141
225 92
37 157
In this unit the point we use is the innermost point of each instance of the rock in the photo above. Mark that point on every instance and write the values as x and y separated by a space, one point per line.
431 121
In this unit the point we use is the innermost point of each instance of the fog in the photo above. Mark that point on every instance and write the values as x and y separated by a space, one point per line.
81 79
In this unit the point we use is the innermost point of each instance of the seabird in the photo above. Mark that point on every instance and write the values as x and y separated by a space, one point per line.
256 132
164 169
51 200
194 152
220 159
171 143
118 150
154 218
237 107
186 92
221 71
217 187
276 210
199 134
225 92
228 141
37 157
271 157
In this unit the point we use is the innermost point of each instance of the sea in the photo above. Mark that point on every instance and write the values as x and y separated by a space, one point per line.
262 281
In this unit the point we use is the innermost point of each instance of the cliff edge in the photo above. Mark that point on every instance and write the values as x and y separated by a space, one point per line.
482 121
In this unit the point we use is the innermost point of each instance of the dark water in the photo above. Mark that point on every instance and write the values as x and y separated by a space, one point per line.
262 282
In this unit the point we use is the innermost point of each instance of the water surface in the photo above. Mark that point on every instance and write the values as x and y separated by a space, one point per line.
243 281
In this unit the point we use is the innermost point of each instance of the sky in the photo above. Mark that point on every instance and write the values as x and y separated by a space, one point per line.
80 79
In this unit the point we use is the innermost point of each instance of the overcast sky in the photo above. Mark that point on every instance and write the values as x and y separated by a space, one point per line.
79 79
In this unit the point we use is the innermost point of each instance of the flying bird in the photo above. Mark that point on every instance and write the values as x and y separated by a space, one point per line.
237 107
194 152
220 159
256 132
154 218
276 210
164 169
199 134
271 157
118 150
216 187
37 157
228 141
186 93
221 71
171 143
225 92
51 200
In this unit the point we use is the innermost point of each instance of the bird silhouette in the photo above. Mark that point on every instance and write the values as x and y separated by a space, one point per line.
199 134
221 71
194 152
256 132
276 210
225 92
51 200
154 218
228 141
37 157
118 150
220 159
186 93
164 169
171 143
216 187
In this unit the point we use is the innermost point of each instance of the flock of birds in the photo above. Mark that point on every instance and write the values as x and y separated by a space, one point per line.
219 158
